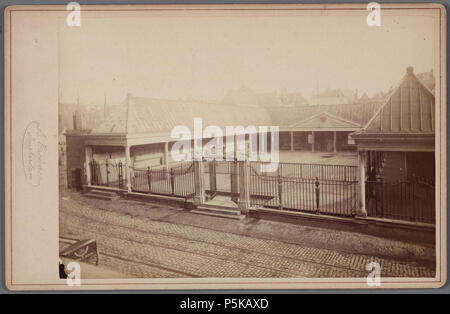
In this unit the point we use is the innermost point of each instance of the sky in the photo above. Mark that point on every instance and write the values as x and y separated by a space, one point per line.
202 57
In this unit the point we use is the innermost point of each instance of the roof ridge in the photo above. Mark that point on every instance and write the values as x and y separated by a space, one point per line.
409 74
386 102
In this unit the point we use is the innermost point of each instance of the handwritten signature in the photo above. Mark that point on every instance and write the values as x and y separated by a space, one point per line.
33 148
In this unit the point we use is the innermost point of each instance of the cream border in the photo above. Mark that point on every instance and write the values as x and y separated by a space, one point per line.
224 283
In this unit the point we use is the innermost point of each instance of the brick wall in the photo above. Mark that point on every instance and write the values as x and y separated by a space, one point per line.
75 154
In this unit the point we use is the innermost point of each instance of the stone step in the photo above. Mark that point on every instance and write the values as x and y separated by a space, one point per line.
219 209
102 195
217 214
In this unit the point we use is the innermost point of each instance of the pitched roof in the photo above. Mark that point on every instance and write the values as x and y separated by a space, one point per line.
409 109
137 115
140 115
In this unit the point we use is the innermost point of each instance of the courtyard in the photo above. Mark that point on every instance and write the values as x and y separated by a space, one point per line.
322 158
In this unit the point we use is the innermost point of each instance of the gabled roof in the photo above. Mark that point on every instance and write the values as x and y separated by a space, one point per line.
357 113
325 120
409 109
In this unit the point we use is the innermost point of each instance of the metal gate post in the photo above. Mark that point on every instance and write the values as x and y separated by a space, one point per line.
149 180
172 180
317 184
280 192
120 175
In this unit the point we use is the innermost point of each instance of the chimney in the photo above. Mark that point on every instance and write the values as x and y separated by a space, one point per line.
77 123
410 70
74 121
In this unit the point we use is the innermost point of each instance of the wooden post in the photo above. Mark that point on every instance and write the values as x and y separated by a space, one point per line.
166 155
127 167
87 164
292 141
313 141
361 209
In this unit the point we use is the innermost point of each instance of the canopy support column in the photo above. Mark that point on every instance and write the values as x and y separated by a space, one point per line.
166 155
128 167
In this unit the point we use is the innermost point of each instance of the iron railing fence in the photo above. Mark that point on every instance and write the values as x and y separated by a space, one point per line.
316 188
332 197
402 200
310 171
176 181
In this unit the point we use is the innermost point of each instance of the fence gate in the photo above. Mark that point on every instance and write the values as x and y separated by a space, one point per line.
221 177
107 173
175 181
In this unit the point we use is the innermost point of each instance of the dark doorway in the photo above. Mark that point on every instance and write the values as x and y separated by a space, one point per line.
324 141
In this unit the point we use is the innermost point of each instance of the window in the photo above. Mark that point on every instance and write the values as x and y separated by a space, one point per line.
350 140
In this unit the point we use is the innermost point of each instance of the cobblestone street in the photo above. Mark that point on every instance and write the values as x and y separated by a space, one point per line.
150 241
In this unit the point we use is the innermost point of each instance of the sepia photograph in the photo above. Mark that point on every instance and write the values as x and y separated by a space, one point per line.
245 145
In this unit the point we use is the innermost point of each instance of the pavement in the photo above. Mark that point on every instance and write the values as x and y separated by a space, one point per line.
145 240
